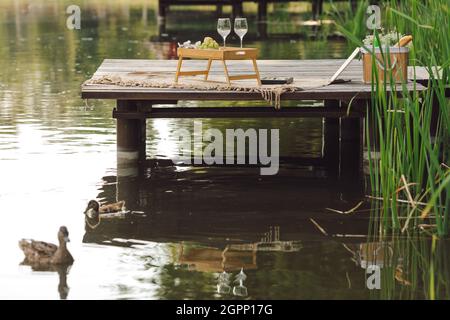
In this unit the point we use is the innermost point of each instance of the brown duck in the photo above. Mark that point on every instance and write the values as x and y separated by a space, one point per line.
94 210
43 253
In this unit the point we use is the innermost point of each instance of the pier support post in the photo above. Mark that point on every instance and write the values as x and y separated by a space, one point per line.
161 19
219 10
262 19
354 5
237 9
351 148
161 9
330 149
352 143
162 28
131 135
128 190
317 9
350 171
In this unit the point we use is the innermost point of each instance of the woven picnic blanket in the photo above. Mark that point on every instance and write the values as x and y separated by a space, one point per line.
270 93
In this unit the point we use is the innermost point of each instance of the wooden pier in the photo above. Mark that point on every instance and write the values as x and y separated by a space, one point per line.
343 129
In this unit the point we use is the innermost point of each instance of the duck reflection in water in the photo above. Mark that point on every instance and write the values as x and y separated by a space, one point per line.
62 270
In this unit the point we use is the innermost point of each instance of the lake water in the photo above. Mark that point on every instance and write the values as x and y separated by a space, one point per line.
58 152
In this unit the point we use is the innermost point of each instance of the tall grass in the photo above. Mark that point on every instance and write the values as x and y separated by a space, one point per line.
352 21
412 267
412 129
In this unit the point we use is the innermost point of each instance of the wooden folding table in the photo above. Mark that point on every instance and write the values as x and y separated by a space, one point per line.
222 54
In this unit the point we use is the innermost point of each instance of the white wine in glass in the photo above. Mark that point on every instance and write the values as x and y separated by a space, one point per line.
240 27
224 28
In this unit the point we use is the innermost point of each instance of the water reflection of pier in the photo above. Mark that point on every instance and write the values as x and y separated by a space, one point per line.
235 256
216 219
220 206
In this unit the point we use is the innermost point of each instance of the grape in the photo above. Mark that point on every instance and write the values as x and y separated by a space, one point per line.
208 43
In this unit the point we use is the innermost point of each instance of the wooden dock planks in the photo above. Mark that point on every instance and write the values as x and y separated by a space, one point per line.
302 69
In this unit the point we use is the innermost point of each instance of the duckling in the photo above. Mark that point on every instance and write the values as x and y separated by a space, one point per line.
43 253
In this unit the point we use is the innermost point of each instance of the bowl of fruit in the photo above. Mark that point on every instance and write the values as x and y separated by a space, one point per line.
208 43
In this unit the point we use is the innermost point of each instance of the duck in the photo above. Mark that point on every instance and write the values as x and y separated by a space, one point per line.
95 213
94 209
43 253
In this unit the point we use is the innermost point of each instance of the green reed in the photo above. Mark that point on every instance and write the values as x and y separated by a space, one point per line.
414 154
351 21
412 267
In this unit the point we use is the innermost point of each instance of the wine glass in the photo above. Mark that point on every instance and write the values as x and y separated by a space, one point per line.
224 28
240 27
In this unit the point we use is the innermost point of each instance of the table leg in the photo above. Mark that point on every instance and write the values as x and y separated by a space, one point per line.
226 72
207 69
180 61
255 67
